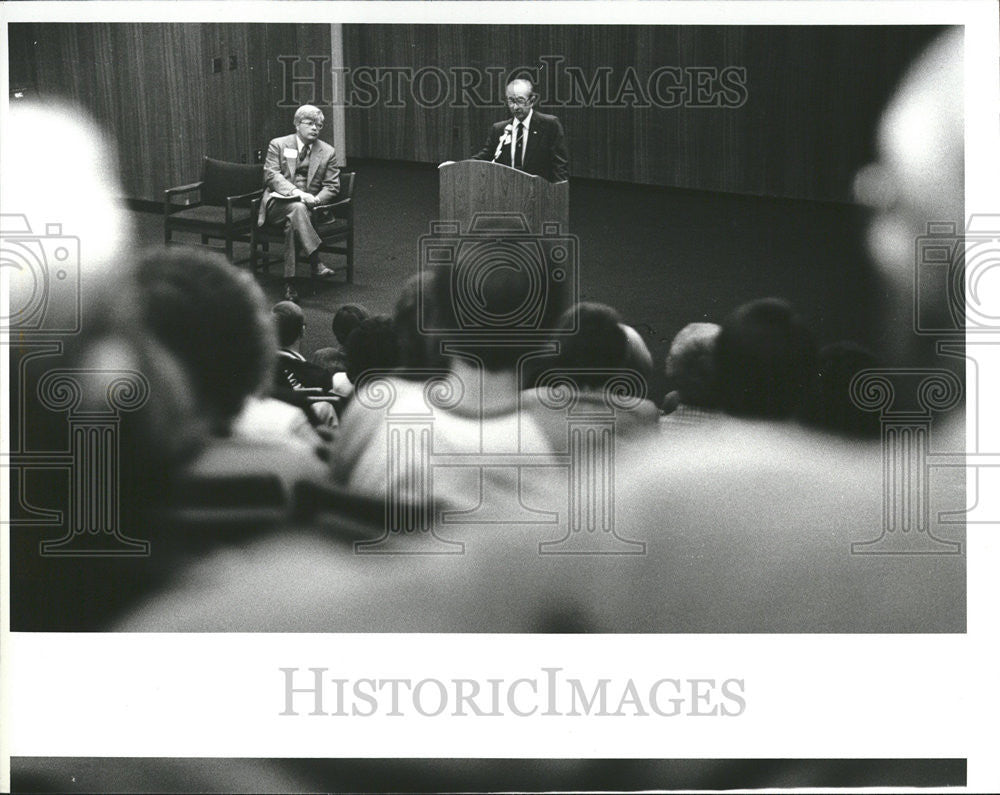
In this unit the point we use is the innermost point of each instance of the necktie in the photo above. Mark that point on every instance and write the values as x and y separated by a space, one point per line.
518 148
301 175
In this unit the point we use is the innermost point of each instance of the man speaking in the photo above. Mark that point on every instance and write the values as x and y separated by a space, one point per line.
532 142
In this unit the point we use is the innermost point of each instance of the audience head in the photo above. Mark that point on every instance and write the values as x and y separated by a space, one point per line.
830 405
918 178
637 355
500 293
764 358
371 346
599 343
346 319
211 318
289 321
330 359
417 349
690 365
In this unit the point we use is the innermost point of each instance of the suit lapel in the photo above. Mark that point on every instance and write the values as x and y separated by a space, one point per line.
532 142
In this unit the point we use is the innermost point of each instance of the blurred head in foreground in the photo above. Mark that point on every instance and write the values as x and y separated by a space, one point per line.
211 317
918 178
764 356
65 233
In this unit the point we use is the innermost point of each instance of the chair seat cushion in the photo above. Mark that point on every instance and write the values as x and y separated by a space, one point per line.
209 215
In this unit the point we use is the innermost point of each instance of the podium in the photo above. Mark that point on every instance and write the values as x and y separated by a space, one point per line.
473 187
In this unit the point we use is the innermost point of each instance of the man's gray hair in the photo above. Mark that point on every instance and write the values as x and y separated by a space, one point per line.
310 112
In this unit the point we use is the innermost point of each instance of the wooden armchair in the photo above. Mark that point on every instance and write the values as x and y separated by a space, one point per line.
224 208
334 222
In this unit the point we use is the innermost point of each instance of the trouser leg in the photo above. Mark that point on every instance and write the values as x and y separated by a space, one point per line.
299 231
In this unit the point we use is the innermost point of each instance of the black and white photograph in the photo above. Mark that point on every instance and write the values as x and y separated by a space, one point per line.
499 396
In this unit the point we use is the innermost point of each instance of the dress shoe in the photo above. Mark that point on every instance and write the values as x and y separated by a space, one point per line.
291 294
322 272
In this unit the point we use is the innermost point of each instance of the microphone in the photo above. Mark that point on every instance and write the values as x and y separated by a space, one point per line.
504 140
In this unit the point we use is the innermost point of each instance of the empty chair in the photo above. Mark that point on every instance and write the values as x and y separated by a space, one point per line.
223 209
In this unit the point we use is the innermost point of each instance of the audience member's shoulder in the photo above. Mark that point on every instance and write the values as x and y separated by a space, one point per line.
635 419
292 461
266 585
731 450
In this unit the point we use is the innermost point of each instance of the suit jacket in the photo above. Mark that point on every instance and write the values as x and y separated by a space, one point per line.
290 371
546 155
324 176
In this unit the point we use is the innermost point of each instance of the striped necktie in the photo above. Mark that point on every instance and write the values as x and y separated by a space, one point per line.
518 146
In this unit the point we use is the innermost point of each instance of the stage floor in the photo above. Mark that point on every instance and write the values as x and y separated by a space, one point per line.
663 257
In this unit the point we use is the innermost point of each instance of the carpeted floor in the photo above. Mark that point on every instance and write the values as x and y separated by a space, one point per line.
663 257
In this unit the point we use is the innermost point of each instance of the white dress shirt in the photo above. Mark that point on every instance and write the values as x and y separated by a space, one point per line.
524 142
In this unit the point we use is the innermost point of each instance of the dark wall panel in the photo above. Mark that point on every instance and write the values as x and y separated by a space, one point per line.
811 99
154 88
811 95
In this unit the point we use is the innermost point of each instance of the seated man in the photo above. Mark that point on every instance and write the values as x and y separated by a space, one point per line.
299 174
293 373
334 359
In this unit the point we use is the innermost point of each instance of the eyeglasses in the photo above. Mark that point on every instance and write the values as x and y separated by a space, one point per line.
317 124
521 102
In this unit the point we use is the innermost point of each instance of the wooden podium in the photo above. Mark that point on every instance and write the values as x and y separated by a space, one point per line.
472 187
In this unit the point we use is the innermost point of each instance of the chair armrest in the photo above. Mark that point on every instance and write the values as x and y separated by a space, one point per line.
243 198
336 209
183 189
332 205
170 207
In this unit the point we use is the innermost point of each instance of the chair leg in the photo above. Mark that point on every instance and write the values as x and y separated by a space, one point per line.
350 257
229 248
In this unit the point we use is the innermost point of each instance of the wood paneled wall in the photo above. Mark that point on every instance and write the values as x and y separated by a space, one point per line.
812 96
154 88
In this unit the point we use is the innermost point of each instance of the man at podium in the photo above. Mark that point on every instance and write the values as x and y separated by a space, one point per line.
532 142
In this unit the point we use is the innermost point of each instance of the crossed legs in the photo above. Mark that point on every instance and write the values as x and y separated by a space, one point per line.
299 232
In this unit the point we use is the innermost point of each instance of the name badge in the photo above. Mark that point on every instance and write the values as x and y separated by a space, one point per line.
292 154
